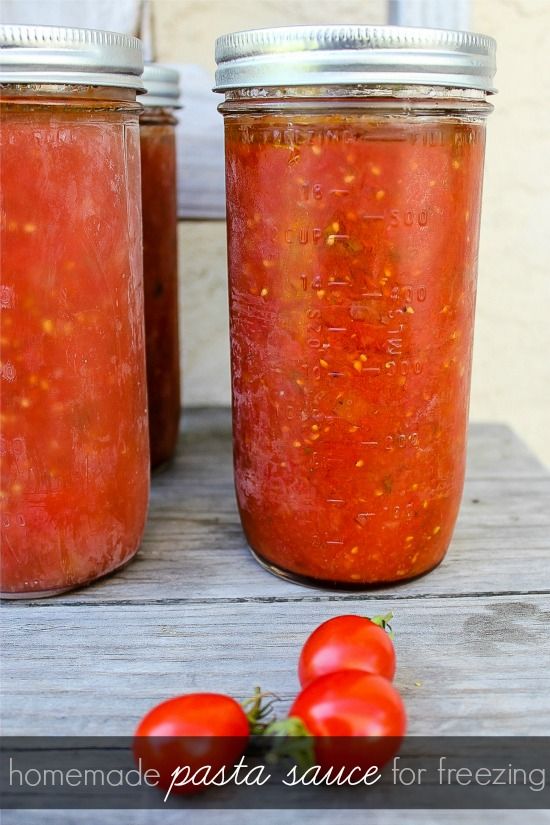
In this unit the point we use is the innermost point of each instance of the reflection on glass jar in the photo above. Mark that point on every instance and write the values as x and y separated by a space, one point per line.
353 222
75 456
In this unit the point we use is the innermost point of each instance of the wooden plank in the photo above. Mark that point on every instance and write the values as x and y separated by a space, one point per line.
304 817
495 451
194 548
212 562
466 665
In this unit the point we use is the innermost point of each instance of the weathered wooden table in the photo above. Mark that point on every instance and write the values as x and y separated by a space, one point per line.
194 611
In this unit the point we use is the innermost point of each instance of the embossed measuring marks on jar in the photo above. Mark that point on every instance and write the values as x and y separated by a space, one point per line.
12 446
349 293
12 517
359 305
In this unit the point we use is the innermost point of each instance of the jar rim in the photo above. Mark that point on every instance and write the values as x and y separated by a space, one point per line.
362 55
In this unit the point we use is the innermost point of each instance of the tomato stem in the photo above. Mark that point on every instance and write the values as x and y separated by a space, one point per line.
384 623
257 710
291 739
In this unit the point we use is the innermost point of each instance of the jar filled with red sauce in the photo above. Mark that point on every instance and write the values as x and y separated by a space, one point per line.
74 449
160 257
354 175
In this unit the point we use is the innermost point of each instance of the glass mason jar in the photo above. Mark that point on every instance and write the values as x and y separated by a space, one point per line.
354 176
75 455
160 258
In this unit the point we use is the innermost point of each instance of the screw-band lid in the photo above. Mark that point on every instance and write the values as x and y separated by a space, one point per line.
54 54
360 55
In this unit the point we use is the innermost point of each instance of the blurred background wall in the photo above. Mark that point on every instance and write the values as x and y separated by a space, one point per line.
511 381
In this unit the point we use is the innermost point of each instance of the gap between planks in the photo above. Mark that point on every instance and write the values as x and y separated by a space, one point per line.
321 598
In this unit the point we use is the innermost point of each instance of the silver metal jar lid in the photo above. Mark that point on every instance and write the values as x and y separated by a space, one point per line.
360 55
161 86
83 57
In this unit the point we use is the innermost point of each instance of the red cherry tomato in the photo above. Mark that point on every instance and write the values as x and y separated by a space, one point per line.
197 730
358 719
347 643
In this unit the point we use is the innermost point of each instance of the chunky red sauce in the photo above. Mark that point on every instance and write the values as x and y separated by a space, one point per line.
74 445
160 274
352 251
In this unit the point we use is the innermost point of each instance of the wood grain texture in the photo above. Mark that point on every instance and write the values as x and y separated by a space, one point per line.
300 817
97 670
195 612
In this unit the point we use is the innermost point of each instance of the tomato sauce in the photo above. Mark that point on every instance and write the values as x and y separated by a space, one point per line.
75 455
353 246
160 274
